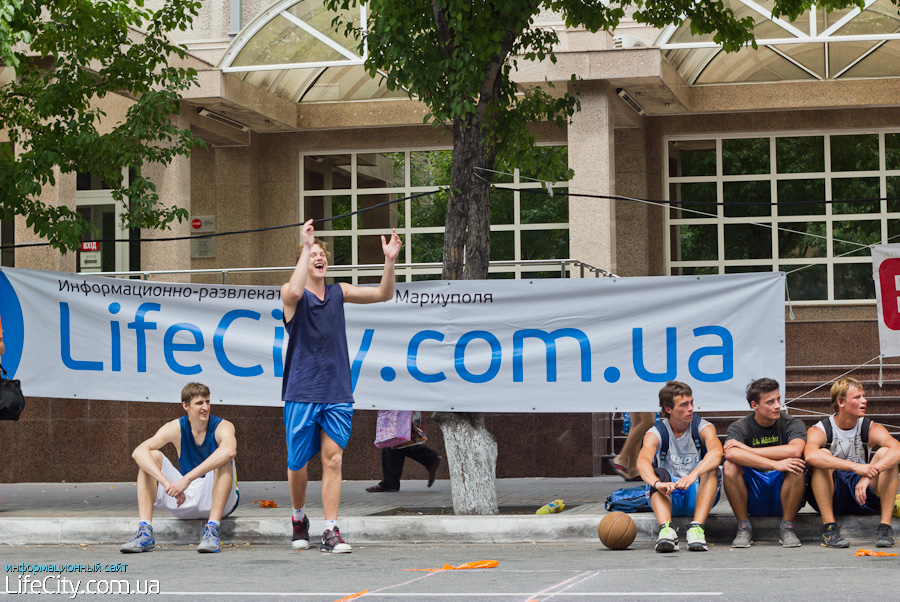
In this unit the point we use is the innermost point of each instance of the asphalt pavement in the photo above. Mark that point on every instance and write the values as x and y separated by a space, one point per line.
399 572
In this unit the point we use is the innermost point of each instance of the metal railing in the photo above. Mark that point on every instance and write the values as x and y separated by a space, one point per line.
565 266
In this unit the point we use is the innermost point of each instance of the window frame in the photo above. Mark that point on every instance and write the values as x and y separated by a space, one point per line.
829 218
406 274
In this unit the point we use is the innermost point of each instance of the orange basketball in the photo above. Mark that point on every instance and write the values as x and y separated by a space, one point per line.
616 530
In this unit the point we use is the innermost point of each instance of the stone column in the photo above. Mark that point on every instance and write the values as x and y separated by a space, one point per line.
173 184
47 258
632 219
592 223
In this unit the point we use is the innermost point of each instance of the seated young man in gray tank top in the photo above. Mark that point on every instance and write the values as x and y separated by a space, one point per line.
683 477
203 485
845 477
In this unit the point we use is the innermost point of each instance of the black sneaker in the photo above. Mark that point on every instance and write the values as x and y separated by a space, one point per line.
300 540
333 544
831 537
884 537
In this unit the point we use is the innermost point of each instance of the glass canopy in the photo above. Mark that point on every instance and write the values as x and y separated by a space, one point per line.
819 45
291 50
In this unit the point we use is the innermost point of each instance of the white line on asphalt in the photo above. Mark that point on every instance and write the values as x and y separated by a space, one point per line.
444 595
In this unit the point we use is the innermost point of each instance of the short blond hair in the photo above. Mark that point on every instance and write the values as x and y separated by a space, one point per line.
322 245
840 389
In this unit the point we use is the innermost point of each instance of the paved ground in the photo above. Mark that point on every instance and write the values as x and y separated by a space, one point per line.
546 572
103 513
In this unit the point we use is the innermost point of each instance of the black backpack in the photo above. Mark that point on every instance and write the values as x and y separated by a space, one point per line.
12 402
664 440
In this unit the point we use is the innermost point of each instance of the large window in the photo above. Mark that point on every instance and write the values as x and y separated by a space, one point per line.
808 204
523 225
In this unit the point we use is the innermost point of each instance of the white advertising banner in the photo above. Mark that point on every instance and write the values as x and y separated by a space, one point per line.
886 272
591 345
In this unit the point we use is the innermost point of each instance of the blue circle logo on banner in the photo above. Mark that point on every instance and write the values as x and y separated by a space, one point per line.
13 326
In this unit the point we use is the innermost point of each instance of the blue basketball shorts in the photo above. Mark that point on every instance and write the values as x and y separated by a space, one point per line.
844 498
763 491
303 423
684 501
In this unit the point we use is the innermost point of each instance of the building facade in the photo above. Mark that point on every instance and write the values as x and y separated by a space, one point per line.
784 158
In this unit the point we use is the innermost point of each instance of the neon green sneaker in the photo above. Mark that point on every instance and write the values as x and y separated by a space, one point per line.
667 540
696 538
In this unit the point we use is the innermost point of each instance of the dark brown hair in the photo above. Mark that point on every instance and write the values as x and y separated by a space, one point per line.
668 394
757 387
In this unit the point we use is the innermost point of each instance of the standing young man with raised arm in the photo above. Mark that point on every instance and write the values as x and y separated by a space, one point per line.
316 390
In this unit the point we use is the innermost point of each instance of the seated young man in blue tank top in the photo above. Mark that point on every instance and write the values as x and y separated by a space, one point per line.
316 389
203 486
683 477
846 477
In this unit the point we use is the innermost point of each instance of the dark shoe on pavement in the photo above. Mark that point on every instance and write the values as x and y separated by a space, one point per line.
884 537
432 470
333 544
141 542
300 539
379 488
831 537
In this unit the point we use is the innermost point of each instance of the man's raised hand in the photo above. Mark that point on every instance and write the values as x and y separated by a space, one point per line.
391 248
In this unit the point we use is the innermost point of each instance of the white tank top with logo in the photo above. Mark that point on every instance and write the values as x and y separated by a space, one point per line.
846 444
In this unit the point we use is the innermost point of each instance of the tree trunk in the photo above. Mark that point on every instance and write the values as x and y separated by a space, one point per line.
471 450
467 234
472 460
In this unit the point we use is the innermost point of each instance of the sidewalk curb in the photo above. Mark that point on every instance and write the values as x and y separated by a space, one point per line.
422 528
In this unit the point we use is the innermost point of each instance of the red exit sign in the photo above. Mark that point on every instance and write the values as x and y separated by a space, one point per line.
90 246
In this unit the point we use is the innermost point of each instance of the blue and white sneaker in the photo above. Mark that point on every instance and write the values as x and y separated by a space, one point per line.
141 542
209 542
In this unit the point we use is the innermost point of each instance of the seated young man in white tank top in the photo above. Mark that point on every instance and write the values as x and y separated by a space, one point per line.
845 477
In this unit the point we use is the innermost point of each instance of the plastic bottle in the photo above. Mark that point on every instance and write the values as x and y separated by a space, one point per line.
552 507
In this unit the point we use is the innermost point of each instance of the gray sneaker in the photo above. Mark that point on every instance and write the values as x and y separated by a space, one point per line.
209 542
788 538
744 537
884 537
141 542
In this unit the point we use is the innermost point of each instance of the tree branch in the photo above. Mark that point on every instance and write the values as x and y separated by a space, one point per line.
442 25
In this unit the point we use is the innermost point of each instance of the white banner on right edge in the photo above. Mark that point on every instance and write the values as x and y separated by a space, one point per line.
886 272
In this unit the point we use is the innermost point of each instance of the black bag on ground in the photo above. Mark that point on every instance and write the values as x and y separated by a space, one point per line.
12 402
